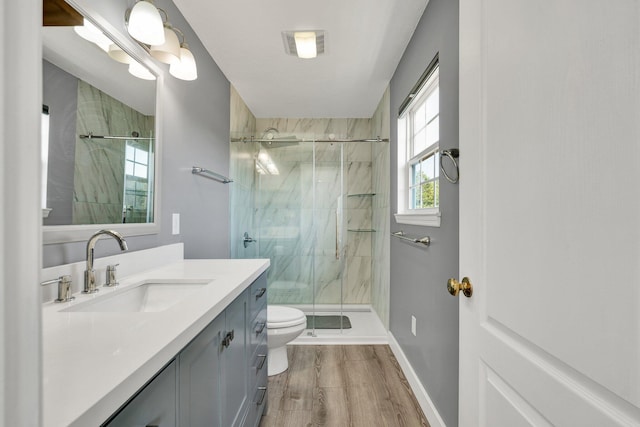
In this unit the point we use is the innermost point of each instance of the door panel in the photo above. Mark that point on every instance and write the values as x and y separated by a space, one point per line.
234 362
200 394
550 217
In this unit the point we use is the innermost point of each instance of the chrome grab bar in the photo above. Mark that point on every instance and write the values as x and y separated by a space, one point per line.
423 240
202 171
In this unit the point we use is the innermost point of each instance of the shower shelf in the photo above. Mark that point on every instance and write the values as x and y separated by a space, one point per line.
361 230
361 195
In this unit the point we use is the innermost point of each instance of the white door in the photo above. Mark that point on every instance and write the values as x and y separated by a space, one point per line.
550 212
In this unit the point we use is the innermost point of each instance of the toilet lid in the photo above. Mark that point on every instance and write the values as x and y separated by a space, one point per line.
279 316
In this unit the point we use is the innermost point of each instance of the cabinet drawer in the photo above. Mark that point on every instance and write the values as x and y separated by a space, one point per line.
258 295
257 404
258 331
154 405
258 364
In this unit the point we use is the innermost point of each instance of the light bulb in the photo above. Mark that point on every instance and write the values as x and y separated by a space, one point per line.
185 69
140 71
169 51
117 54
91 33
145 23
306 44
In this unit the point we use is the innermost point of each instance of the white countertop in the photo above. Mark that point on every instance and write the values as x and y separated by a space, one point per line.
93 362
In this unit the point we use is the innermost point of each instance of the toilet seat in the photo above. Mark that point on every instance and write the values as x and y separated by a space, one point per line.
284 317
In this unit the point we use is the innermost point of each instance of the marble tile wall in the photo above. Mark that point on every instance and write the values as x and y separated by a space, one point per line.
243 171
380 282
296 212
340 169
99 164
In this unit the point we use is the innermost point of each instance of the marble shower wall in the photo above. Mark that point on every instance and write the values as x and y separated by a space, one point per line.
99 164
380 282
242 170
289 226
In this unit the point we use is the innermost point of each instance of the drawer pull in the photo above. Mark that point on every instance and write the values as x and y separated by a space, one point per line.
262 392
226 341
260 292
260 328
262 358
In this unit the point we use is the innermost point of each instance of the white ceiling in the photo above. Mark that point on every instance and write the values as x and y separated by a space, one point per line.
364 42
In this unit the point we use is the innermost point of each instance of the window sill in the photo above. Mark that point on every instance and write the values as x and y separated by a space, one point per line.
426 219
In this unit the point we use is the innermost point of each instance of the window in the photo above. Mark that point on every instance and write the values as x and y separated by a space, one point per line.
137 161
138 170
44 164
418 153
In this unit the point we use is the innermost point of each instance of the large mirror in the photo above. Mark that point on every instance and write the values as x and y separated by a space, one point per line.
99 135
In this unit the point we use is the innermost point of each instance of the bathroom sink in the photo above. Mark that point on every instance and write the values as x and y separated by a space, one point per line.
147 296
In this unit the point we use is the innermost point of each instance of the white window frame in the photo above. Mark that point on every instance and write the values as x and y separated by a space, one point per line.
429 217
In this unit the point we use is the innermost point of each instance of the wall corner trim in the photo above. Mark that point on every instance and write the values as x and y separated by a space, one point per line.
427 405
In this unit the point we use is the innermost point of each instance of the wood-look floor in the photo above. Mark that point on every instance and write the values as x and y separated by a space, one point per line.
336 386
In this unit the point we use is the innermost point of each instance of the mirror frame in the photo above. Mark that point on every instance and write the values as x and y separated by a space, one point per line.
52 234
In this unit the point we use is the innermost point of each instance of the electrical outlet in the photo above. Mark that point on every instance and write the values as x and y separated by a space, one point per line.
176 223
413 325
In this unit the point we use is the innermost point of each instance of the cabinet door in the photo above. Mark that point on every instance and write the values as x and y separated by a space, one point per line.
155 404
200 403
234 363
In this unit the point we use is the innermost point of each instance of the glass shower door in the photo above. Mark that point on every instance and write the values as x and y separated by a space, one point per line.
294 208
284 219
241 201
329 220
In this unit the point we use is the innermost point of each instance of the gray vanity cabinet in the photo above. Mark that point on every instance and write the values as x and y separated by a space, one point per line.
257 344
233 363
212 371
218 380
199 381
154 405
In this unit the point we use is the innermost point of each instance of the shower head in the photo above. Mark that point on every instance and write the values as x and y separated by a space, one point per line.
270 133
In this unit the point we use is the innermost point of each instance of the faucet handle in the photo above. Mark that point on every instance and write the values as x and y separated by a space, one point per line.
64 288
110 279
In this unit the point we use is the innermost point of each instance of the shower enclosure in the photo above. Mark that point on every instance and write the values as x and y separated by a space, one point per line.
309 207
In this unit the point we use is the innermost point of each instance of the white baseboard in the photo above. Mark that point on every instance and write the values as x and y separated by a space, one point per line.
429 409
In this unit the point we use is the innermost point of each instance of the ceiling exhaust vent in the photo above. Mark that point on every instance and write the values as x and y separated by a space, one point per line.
291 48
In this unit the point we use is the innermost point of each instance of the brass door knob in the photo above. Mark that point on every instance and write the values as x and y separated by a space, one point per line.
454 287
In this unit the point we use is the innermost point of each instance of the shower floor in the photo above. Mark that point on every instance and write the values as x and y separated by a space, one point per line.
366 327
328 321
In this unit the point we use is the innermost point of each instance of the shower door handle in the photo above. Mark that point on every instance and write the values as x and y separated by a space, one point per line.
337 230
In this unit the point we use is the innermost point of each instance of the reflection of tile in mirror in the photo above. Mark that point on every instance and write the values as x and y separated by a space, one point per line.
100 163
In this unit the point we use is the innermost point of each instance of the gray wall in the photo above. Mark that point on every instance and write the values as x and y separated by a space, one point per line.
419 276
195 126
60 94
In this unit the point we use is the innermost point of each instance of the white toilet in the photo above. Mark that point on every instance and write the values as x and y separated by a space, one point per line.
284 324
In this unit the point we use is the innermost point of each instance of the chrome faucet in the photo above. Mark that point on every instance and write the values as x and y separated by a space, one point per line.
89 273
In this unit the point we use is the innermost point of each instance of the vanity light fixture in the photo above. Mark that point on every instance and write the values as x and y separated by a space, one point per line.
169 51
144 23
140 71
304 44
117 54
185 69
91 33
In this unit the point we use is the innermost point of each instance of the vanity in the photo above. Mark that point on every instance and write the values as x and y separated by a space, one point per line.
177 342
191 351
